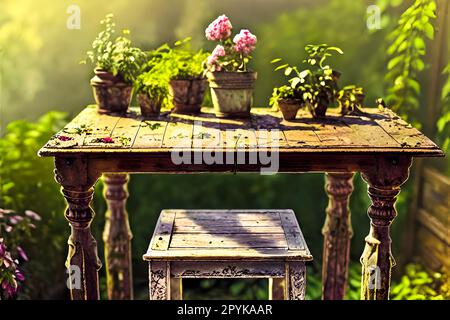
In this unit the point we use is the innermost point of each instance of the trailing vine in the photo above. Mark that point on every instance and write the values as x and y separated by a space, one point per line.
406 57
443 124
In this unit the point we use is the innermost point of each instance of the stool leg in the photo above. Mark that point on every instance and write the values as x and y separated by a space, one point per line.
277 289
176 289
296 280
159 280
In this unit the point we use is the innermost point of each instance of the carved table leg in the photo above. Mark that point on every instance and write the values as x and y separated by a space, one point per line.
159 280
337 232
384 181
82 260
277 289
296 280
117 237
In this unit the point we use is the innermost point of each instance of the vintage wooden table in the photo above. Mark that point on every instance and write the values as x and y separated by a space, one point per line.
378 144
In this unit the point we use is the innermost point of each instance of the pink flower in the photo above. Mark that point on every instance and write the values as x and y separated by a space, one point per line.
20 276
107 140
244 42
219 51
219 29
22 253
64 138
212 60
33 215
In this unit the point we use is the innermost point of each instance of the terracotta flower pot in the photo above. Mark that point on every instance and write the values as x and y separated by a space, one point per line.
289 108
112 94
232 93
149 107
187 95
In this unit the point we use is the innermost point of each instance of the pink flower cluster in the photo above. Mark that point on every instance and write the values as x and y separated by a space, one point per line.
244 42
219 29
233 51
219 51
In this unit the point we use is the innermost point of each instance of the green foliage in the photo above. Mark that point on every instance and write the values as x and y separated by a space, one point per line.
406 58
285 92
443 124
27 182
350 99
185 62
155 75
417 284
291 31
115 55
315 85
164 64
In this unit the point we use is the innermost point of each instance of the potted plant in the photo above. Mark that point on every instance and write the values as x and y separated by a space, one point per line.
187 81
117 64
230 80
286 99
351 100
152 85
315 85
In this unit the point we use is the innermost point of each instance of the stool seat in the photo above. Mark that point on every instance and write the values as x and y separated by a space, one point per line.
227 244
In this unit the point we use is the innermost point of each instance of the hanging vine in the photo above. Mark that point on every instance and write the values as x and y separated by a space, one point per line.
406 58
443 124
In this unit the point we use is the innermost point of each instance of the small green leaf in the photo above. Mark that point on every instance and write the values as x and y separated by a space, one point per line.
429 31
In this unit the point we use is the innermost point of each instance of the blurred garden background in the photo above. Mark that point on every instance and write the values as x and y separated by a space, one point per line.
42 86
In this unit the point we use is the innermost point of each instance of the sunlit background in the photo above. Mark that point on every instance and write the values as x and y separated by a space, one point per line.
40 72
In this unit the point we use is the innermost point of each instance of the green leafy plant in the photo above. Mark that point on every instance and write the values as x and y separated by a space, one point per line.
316 85
115 54
350 99
166 63
285 92
185 62
155 75
406 57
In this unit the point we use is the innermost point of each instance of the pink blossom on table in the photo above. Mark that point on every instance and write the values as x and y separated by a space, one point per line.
244 42
219 29
107 140
64 138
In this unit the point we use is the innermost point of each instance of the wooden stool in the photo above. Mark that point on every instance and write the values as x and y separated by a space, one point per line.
228 244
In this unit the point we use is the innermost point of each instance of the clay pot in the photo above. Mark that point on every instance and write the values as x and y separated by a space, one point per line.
149 107
187 95
232 93
289 108
112 94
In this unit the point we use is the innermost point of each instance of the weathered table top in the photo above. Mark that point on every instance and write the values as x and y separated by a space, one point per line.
228 234
377 131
